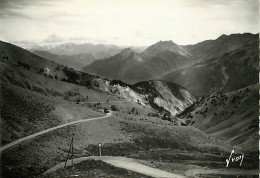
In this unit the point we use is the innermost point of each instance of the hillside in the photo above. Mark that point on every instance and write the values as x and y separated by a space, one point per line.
14 55
27 82
232 116
28 79
131 67
229 72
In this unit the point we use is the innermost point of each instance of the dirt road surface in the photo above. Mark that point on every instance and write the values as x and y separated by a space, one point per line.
122 162
51 129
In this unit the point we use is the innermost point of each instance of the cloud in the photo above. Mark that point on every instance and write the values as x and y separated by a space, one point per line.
220 2
23 8
119 22
53 38
9 13
20 4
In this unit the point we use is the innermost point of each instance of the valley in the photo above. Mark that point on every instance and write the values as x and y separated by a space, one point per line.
178 114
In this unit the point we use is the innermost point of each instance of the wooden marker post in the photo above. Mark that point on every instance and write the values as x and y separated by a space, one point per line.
150 96
70 150
72 147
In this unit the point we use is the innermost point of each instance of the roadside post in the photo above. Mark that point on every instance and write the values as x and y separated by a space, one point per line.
99 145
70 150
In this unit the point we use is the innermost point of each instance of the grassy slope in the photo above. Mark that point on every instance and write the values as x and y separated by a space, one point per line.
127 133
123 135
232 116
31 102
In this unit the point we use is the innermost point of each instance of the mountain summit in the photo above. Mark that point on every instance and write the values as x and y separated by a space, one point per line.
163 46
129 54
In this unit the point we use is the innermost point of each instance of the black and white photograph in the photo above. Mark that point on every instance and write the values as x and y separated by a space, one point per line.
129 88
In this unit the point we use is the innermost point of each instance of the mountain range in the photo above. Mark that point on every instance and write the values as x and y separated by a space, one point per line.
153 63
74 49
167 61
75 61
78 56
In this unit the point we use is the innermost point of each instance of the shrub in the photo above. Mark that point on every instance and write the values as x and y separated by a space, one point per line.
114 108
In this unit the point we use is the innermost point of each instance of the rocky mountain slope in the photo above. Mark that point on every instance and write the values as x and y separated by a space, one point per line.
231 71
129 66
232 116
160 95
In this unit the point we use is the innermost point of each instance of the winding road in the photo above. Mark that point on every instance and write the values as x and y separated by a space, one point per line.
51 129
122 162
103 101
57 127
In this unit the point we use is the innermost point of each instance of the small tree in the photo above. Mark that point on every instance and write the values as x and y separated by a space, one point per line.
78 100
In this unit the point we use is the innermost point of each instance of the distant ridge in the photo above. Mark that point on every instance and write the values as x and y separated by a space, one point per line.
224 43
130 66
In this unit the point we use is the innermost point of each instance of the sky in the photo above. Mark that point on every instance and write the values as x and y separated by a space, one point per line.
124 22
